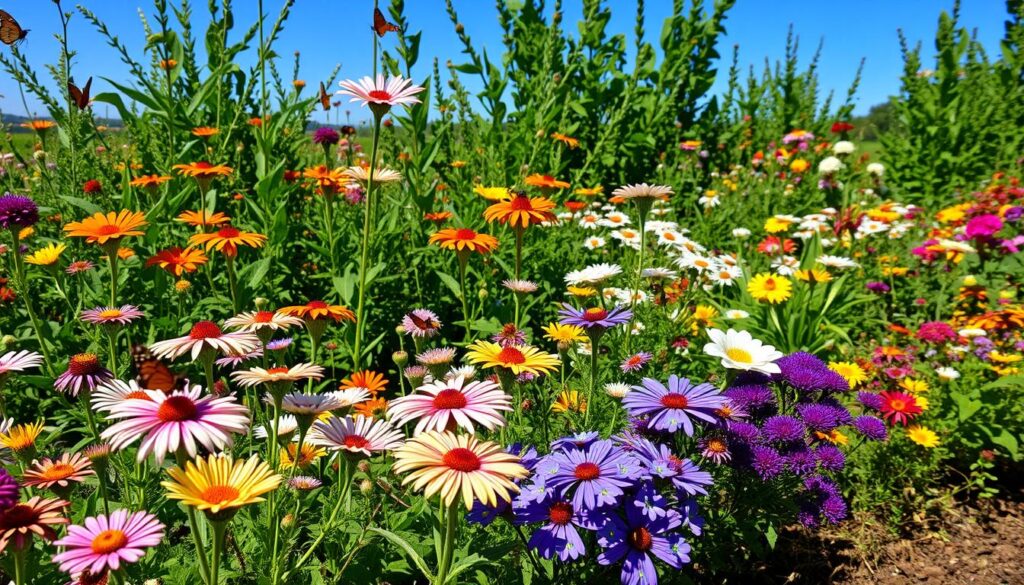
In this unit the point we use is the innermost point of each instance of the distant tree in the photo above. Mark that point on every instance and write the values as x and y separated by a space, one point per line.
877 121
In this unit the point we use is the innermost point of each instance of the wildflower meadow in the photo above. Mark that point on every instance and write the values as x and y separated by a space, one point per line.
556 313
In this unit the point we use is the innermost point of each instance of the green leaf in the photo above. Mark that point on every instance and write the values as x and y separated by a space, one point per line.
84 204
772 536
450 282
463 565
1009 442
407 548
966 405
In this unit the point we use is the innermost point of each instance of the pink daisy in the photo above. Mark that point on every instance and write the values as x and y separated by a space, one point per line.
84 371
68 469
112 315
182 419
635 362
114 392
17 361
356 436
445 404
392 92
206 336
107 541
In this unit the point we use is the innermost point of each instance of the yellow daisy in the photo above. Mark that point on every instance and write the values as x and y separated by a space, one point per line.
923 436
853 373
770 288
219 484
46 256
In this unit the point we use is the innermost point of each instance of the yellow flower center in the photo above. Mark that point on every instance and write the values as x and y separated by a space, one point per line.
58 471
110 313
739 355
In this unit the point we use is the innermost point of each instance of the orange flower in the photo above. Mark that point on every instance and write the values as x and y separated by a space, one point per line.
373 408
372 381
545 182
324 177
204 170
125 253
198 218
464 239
568 140
589 191
227 239
438 216
177 261
299 84
39 125
168 64
256 121
316 310
100 228
205 131
521 211
149 181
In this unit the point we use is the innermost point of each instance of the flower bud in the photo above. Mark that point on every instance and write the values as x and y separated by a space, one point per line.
363 466
366 487
287 521
400 358
260 302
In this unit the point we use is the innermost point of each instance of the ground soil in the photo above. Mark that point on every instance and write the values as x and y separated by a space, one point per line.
978 544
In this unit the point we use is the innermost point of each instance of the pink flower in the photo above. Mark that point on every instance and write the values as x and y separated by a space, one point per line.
444 405
105 542
390 93
206 336
180 420
983 226
358 436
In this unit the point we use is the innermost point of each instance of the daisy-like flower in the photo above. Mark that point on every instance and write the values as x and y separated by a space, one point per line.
79 266
659 274
300 456
508 335
205 131
46 256
203 170
492 193
106 542
286 426
635 362
350 397
593 242
219 485
62 472
178 261
21 439
736 314
184 419
149 181
227 239
111 227
84 372
853 373
464 240
616 389
520 212
669 407
421 323
304 483
359 436
837 262
564 334
309 406
258 321
770 288
459 465
371 381
547 181
201 218
122 315
281 374
517 359
923 436
447 404
18 361
206 337
522 287
592 275
372 408
569 401
634 540
595 476
380 94
319 311
738 350
642 191
898 407
35 516
595 318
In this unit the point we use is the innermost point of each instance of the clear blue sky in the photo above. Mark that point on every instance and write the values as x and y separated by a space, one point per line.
328 32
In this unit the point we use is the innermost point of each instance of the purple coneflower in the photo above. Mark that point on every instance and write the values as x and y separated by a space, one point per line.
559 517
594 319
634 540
509 336
326 136
635 362
84 371
596 476
715 448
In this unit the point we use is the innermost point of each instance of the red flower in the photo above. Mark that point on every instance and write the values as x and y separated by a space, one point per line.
898 407
292 176
772 246
840 127
92 186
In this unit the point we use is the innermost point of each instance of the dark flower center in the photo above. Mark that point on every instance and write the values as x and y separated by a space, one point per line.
84 364
461 459
465 234
205 330
560 513
356 441
20 516
674 401
228 232
521 203
587 471
640 539
177 409
317 305
450 399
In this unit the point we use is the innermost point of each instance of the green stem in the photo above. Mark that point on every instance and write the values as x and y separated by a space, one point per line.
595 348
519 251
112 339
364 255
19 566
448 544
219 528
193 524
19 270
233 283
343 470
463 259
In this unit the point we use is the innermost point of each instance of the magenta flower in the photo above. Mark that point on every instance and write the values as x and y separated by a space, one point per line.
635 362
112 315
105 542
380 92
446 404
359 436
84 371
983 226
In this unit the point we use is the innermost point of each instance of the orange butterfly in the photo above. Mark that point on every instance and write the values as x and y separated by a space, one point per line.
380 24
10 31
424 323
153 374
80 96
325 100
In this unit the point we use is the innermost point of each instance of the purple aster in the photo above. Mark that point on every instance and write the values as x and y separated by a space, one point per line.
326 136
744 431
767 462
670 407
650 501
595 318
635 362
806 372
833 509
801 460
484 514
872 428
279 344
596 476
8 490
751 397
634 540
829 457
783 429
17 211
870 400
878 287
818 417
577 441
560 517
658 461
84 372
842 414
421 323
690 515
821 498
236 359
527 455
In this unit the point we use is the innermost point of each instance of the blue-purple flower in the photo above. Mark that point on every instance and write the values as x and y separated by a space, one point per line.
17 211
806 372
594 319
634 540
595 476
670 407
560 518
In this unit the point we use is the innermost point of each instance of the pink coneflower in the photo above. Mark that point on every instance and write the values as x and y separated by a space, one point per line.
421 323
112 315
359 436
635 362
62 472
522 287
235 360
206 336
18 361
33 517
445 404
105 542
176 421
509 336
114 392
380 92
84 371
436 357
309 405
79 266
304 483
716 449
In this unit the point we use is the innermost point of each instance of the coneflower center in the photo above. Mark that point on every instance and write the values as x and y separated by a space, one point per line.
379 95
217 494
278 370
355 441
205 330
58 471
263 317
228 232
450 399
640 539
560 513
137 395
461 459
109 541
83 364
594 314
521 203
672 400
465 234
108 229
110 313
176 409
316 305
716 445
586 471
511 355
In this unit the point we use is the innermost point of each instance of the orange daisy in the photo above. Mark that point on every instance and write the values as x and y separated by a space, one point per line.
464 239
545 182
39 125
204 170
324 177
521 211
148 181
198 218
227 239
567 140
372 381
373 408
437 216
318 310
177 261
101 228
205 132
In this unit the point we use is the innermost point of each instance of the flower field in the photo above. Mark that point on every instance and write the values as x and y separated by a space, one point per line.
587 322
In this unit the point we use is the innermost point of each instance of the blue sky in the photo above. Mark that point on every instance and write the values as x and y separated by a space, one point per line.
329 32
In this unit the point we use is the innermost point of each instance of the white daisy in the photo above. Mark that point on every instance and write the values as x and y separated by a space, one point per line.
593 274
738 350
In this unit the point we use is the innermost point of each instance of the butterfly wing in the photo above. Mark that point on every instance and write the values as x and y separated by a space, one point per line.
80 96
85 94
325 100
10 31
381 25
152 373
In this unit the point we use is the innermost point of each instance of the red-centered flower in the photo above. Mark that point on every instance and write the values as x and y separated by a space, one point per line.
898 407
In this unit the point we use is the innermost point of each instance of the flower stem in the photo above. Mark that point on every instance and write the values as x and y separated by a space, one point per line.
448 544
19 566
233 283
463 259
357 357
595 348
193 524
219 528
19 270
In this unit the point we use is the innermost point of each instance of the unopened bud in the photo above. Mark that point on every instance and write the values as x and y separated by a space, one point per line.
526 405
400 358
363 466
287 521
260 302
8 340
482 294
366 487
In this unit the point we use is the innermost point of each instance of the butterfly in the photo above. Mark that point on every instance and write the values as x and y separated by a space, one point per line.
10 31
81 96
380 24
424 323
325 99
152 373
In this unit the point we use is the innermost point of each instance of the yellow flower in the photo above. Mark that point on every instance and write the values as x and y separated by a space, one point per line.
770 288
582 292
813 276
1003 358
921 402
853 373
799 165
923 436
307 456
564 333
218 483
589 191
518 359
775 225
26 233
569 401
492 193
47 256
23 437
833 436
914 386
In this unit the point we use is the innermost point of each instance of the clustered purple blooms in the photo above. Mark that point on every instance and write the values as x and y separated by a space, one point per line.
17 211
326 136
8 490
806 372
